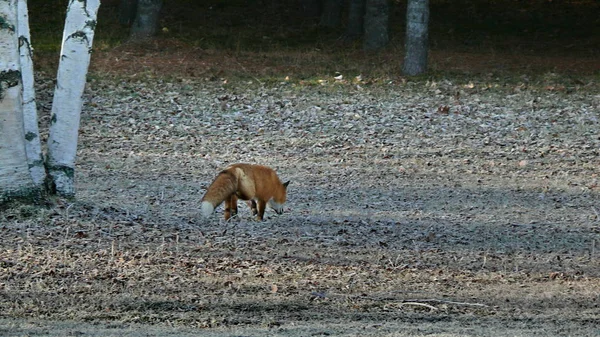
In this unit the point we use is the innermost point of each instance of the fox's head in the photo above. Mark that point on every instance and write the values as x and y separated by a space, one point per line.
277 203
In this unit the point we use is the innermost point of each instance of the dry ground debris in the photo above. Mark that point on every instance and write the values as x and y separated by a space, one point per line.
439 208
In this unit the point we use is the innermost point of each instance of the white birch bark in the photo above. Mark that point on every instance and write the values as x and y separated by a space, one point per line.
33 145
70 84
15 180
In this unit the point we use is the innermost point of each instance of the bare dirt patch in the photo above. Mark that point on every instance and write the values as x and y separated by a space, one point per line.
458 207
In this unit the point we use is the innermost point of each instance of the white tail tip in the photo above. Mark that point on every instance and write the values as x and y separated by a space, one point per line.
207 209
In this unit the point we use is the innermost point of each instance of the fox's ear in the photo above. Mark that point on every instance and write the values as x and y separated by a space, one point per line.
286 184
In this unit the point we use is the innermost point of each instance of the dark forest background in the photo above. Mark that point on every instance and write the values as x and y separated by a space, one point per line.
273 38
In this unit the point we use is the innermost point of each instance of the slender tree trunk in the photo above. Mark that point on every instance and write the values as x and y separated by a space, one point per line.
311 8
146 20
331 15
417 37
127 10
376 24
15 180
33 145
356 15
70 83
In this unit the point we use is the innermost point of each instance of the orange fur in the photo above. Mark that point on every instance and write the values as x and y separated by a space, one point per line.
257 184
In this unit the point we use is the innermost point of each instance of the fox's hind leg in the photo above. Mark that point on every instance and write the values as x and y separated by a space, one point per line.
231 206
252 205
260 210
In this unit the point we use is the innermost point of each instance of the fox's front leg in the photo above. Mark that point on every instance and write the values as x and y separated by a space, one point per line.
230 206
260 209
252 205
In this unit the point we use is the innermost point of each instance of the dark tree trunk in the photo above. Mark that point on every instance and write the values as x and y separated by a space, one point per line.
146 19
376 24
356 15
417 37
127 9
311 8
331 16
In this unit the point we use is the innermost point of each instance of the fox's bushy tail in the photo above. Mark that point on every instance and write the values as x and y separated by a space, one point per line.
221 188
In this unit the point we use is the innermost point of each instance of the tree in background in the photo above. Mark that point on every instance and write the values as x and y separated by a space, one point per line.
376 24
311 8
15 179
127 10
417 36
356 14
145 24
331 14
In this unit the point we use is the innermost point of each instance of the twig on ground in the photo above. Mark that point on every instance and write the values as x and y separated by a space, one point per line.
449 302
431 307
418 304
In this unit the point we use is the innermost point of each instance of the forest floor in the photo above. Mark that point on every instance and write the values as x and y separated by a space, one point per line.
464 202
451 207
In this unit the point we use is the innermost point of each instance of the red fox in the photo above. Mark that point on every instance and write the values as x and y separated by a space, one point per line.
257 184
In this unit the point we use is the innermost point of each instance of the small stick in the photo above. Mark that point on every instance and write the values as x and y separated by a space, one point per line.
431 307
452 302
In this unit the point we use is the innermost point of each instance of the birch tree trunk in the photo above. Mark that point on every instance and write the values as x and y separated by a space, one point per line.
33 146
146 20
417 37
70 83
15 180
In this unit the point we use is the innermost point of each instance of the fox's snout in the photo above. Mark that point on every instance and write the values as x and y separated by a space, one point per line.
278 210
277 207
